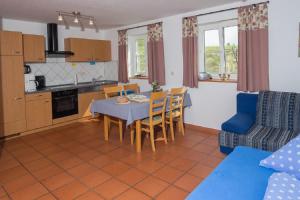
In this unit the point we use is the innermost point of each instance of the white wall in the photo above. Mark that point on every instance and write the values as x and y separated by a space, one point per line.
284 39
213 103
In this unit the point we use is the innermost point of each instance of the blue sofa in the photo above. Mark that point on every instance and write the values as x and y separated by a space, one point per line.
266 121
238 177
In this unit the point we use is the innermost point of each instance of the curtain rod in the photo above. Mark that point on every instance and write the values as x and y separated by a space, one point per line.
139 26
197 15
234 8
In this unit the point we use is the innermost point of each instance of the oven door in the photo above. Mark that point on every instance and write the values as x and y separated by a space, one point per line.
64 105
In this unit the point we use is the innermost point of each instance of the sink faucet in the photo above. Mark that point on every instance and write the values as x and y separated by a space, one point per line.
94 80
76 79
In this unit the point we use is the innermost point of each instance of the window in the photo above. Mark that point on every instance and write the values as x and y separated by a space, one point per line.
137 55
218 44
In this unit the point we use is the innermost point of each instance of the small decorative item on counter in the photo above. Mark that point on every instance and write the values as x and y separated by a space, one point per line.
122 100
155 87
224 76
203 76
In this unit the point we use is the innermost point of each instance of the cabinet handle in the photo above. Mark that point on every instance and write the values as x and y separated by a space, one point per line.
40 95
18 98
46 101
17 52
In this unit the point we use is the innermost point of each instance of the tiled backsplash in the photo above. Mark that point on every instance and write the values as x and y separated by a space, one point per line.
57 71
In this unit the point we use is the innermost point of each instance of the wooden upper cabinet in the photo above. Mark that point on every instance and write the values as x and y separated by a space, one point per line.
86 50
34 48
11 43
81 49
102 50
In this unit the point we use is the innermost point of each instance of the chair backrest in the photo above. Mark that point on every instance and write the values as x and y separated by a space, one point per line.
157 105
177 99
132 87
113 91
279 110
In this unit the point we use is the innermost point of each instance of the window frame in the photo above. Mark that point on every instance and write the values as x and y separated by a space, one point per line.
132 55
220 26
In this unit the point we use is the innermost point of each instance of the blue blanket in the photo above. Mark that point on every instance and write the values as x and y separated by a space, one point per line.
238 177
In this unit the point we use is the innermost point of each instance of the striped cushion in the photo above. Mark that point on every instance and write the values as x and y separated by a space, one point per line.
268 138
231 140
278 110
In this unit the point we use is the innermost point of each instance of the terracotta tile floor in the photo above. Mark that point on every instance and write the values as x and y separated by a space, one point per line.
73 162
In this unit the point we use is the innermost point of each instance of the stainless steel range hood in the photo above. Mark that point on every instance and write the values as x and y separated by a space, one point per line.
52 39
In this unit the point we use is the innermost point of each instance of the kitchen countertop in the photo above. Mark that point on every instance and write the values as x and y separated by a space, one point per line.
82 87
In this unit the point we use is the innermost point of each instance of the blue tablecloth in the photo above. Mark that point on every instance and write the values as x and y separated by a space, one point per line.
129 112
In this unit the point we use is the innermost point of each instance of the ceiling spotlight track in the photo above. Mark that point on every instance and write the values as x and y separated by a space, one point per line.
77 18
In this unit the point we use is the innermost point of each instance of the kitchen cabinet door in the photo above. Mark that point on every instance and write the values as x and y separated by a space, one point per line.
34 48
11 43
82 49
12 98
85 100
102 50
38 113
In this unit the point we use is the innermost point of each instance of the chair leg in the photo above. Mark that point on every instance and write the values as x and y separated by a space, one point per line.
164 132
131 134
172 129
152 138
121 130
181 125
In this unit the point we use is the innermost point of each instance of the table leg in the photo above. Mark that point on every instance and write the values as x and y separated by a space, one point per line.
105 127
138 136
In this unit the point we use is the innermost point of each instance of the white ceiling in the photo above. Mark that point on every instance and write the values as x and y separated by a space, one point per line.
108 13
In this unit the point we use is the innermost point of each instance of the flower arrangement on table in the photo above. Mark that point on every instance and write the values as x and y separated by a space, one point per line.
156 87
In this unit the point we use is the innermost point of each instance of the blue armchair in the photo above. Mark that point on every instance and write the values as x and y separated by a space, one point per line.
241 122
266 121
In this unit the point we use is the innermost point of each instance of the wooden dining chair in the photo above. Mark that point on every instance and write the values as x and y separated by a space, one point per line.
157 111
175 112
134 87
112 92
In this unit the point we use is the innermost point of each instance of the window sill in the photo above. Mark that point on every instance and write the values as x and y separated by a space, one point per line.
219 81
139 77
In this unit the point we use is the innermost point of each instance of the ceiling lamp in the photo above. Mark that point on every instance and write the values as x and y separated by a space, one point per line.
91 22
60 17
77 18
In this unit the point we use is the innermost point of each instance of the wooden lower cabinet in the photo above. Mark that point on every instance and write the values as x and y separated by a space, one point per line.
84 102
38 110
12 98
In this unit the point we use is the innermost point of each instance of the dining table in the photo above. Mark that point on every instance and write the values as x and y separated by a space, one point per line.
130 112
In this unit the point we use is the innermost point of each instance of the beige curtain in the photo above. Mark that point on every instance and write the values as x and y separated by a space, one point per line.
122 73
156 60
190 51
253 58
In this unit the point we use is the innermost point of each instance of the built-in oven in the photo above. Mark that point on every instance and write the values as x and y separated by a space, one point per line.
64 103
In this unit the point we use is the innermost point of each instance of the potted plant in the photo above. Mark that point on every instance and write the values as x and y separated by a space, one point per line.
155 87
